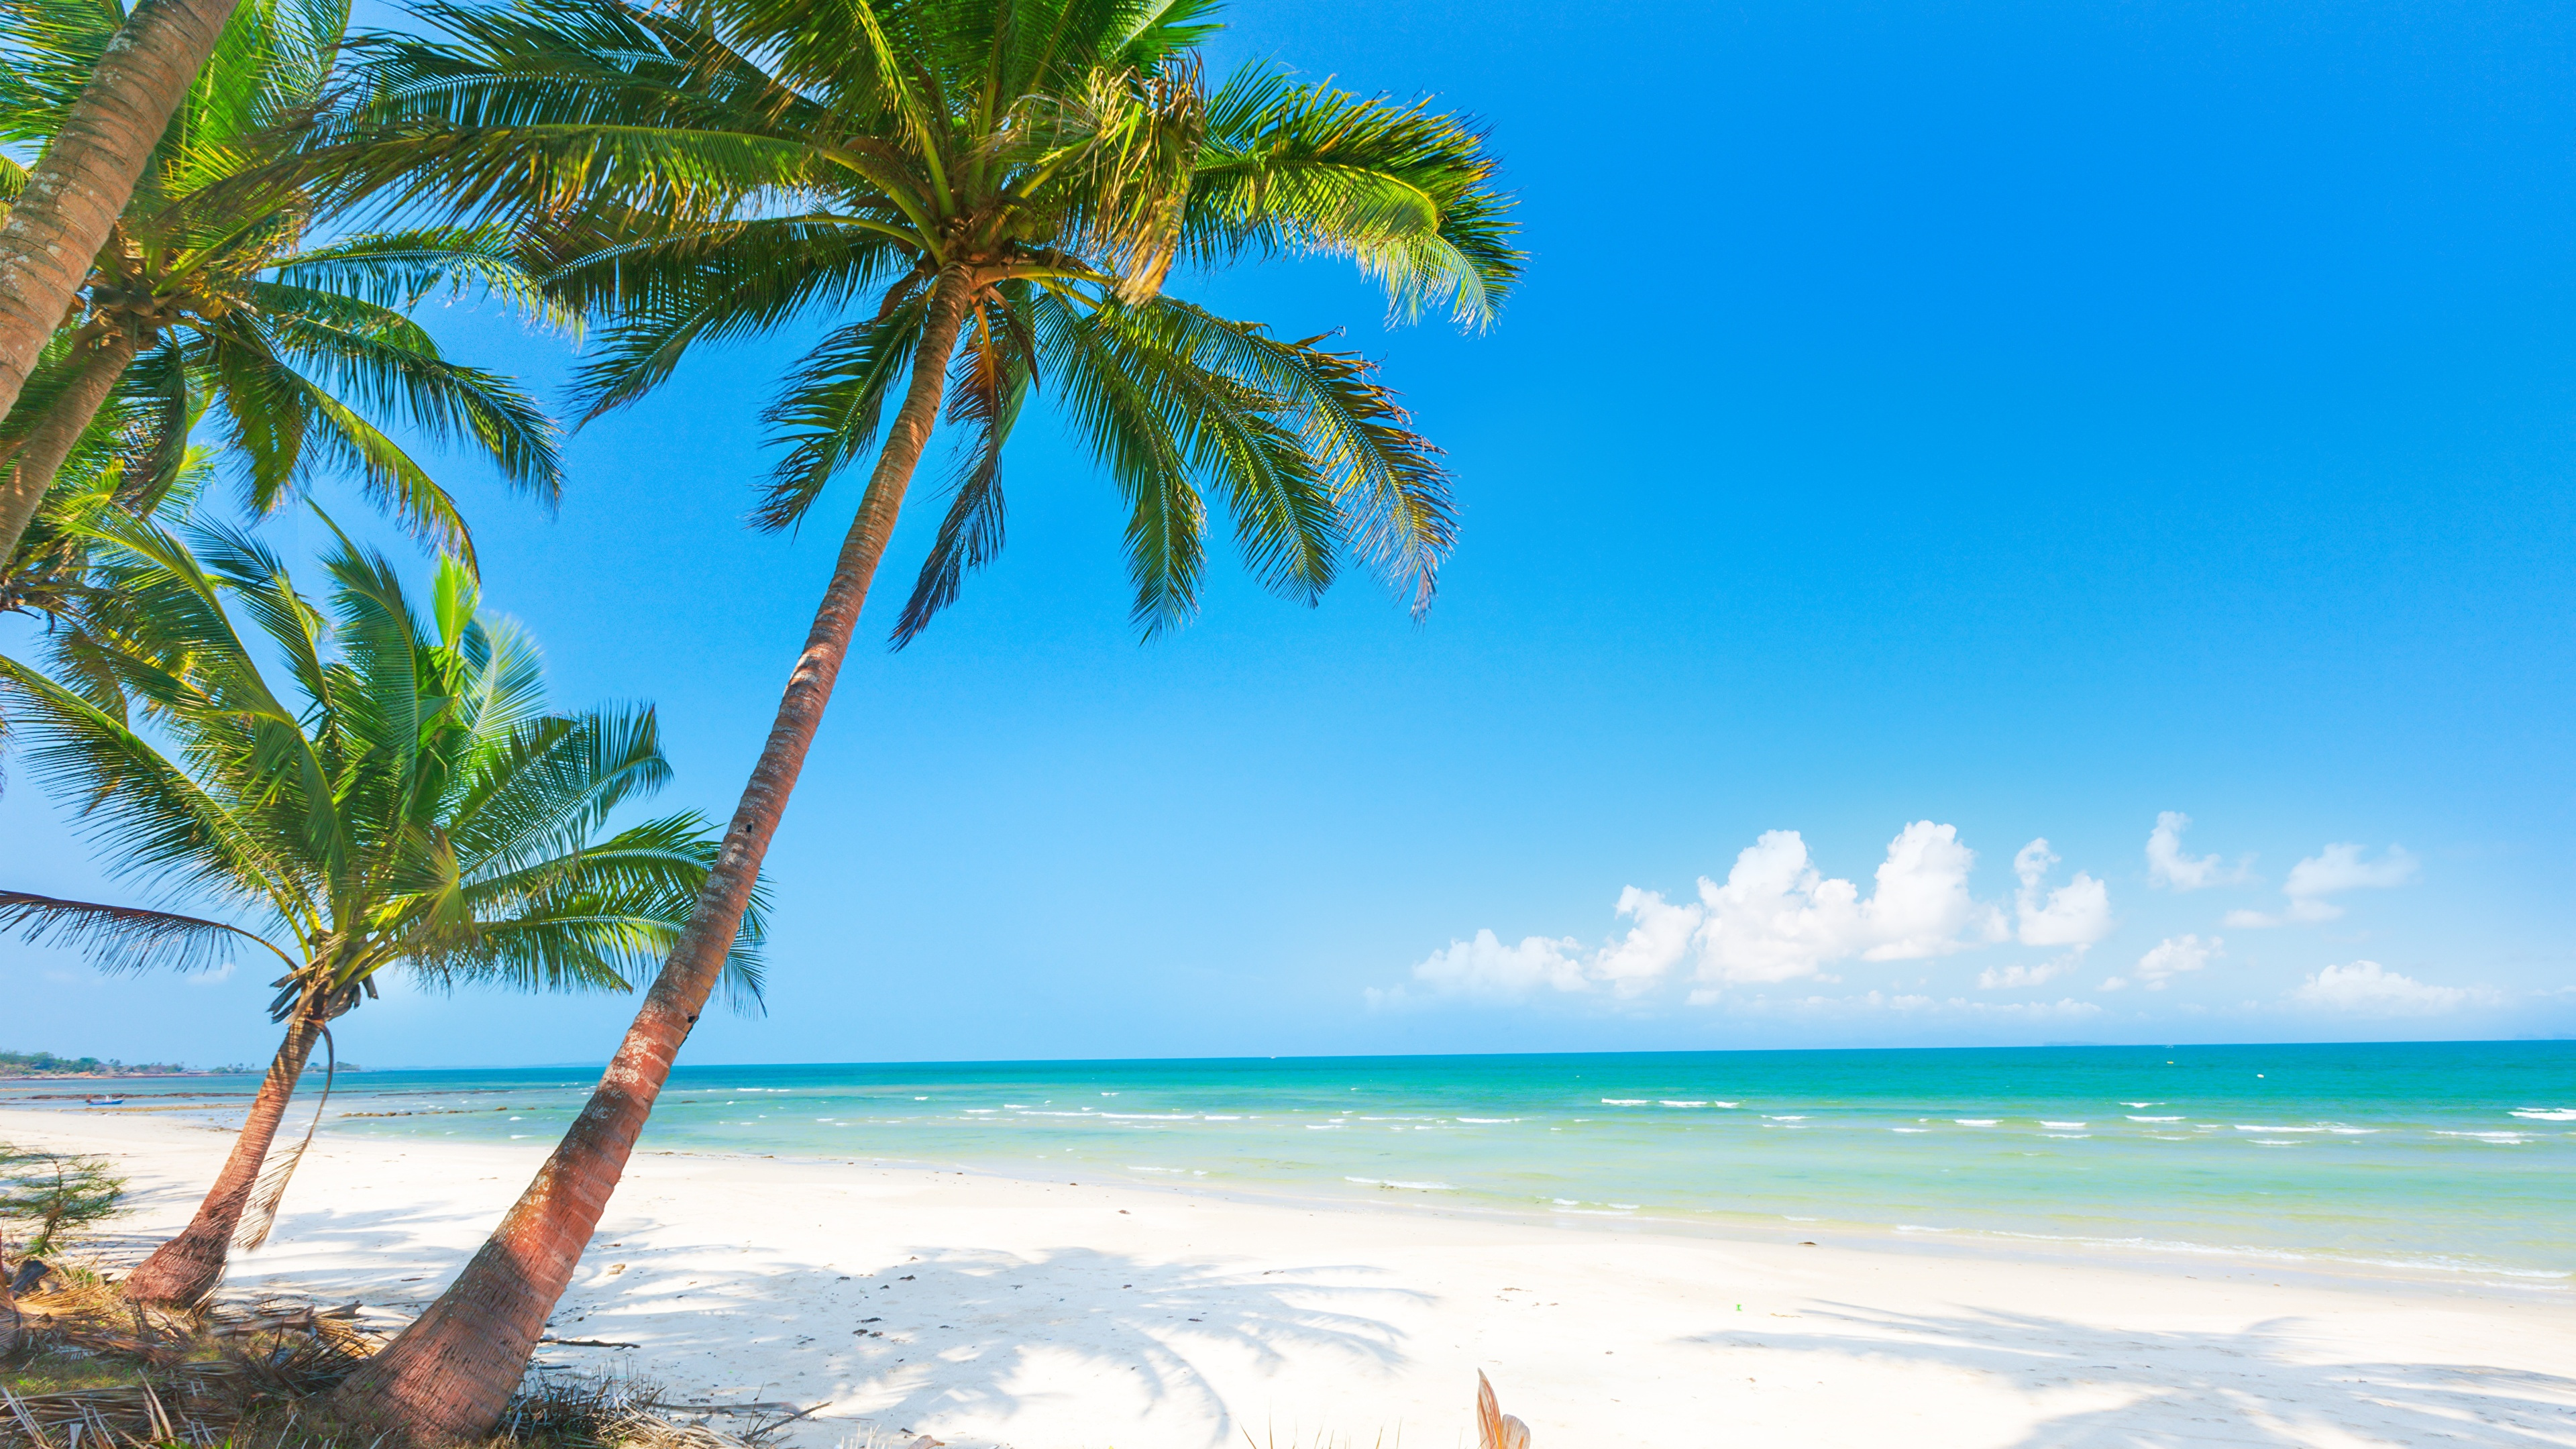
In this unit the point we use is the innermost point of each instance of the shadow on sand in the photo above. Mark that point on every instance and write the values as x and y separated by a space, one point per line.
2266 1385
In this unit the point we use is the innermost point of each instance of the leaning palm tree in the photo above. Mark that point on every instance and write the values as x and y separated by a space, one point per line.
211 296
407 801
62 212
987 195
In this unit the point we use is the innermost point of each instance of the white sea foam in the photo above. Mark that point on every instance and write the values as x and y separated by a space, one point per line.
1150 1116
1918 1228
2067 1136
2546 1114
1681 1104
2505 1138
1784 1119
1917 1131
2044 1122
2136 1118
2142 1105
1624 1101
2241 1127
971 1112
1974 1121
1489 1121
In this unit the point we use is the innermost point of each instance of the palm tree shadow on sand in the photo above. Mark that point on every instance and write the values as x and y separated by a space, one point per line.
978 1337
2265 1385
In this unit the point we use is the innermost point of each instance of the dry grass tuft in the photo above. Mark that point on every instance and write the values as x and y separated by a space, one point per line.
90 1370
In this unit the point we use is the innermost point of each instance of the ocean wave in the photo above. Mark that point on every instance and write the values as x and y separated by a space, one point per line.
1680 1104
2066 1136
2546 1114
1913 1130
2507 1139
1625 1102
2241 1127
2135 1118
1975 1121
2062 1126
2142 1106
2436 1263
1784 1119
1489 1121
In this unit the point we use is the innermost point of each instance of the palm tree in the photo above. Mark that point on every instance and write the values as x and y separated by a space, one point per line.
407 801
63 211
208 296
989 194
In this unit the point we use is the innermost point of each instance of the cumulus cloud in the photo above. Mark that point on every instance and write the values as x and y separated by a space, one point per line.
2167 866
1656 944
216 977
2075 914
1486 969
1777 918
2173 956
2370 989
2332 871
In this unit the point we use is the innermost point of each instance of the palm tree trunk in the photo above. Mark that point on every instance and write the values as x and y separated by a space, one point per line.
448 1376
186 1269
100 366
89 169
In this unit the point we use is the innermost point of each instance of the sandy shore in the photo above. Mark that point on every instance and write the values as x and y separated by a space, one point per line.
989 1311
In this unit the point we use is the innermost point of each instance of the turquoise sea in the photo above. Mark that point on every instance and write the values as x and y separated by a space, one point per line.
2444 1159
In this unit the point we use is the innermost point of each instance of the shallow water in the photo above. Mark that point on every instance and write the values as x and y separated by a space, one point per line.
2444 1158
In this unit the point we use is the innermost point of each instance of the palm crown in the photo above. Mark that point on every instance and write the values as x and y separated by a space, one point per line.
213 286
408 800
1025 172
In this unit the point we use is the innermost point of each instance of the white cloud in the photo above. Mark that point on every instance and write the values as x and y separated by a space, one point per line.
2173 956
216 977
2075 914
1778 918
1487 969
2332 871
1656 944
2168 866
2366 987
2002 978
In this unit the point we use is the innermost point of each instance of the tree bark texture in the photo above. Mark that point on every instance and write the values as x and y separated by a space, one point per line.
184 1270
88 172
449 1375
98 367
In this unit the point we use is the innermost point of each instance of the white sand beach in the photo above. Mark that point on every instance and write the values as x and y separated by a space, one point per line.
990 1311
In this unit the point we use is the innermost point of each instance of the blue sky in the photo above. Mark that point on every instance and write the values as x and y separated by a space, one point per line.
1933 426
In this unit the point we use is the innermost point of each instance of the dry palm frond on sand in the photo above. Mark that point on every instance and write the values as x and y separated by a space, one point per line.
91 1370
1494 1428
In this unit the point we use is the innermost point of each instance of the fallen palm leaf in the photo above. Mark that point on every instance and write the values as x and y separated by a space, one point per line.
1494 1428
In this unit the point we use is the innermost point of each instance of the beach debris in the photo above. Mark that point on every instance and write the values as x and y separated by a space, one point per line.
1494 1428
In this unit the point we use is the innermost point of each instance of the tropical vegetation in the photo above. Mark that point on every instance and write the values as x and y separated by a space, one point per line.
404 798
979 205
213 298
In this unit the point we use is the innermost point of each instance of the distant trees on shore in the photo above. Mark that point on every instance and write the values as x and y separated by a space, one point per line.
46 1064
